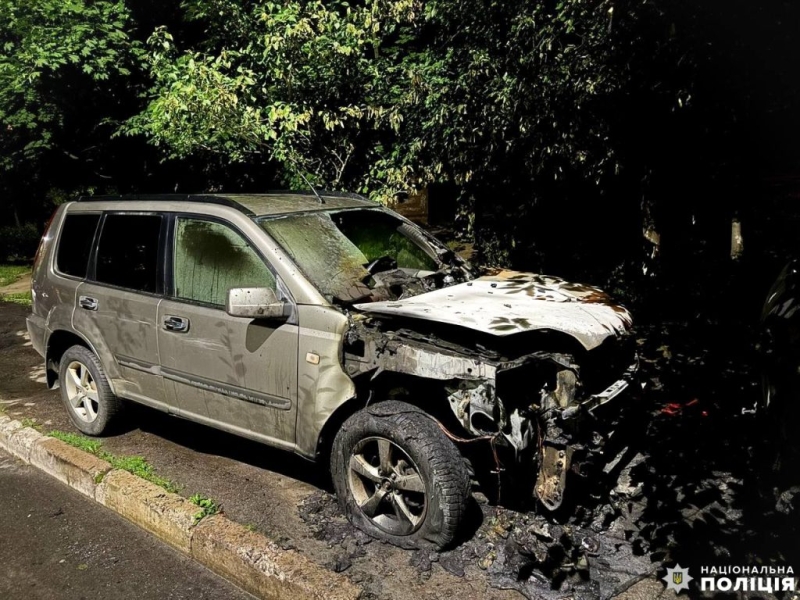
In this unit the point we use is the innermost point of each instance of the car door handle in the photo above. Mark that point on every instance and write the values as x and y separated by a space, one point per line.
87 303
178 324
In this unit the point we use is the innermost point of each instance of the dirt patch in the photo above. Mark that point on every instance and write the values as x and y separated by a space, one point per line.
20 286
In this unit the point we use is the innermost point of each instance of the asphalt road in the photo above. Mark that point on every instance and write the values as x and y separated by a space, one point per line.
54 544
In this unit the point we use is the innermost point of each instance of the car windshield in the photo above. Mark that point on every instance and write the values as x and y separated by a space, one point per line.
343 252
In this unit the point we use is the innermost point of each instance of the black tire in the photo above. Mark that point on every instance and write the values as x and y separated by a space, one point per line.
90 417
412 435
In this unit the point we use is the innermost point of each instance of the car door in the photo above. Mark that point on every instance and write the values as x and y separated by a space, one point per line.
234 373
116 308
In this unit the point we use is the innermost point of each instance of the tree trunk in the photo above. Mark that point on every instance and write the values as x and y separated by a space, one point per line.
651 234
737 242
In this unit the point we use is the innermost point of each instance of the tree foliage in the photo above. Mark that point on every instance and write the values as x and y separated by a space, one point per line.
57 55
314 86
387 95
508 102
526 113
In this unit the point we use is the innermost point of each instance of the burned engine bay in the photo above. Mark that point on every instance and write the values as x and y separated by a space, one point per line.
533 394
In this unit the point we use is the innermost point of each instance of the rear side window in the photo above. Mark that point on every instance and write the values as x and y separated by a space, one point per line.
127 253
75 244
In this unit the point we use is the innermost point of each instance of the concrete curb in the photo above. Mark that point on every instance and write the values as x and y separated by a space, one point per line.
79 470
246 558
261 567
169 517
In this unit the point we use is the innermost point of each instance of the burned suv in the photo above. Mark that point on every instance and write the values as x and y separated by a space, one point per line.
328 326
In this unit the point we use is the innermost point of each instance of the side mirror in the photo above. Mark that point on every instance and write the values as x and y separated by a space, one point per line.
256 303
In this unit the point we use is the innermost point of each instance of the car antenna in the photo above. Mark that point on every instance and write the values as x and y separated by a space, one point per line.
313 189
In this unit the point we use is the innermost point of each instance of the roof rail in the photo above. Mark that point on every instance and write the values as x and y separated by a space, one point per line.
210 199
323 193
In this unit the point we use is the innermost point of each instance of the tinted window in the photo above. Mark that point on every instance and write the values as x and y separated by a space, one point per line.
75 244
211 258
127 253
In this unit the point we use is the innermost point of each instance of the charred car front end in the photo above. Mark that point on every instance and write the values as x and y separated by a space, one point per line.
523 360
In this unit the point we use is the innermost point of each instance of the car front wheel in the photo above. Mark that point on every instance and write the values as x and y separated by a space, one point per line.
398 477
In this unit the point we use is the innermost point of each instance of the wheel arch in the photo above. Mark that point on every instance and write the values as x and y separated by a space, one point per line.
58 342
389 385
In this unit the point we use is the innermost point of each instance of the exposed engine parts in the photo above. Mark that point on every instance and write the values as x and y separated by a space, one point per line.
535 404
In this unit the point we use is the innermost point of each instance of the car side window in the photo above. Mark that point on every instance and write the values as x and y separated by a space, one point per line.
127 252
210 258
75 243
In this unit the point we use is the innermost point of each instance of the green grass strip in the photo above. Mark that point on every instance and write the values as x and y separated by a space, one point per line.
136 465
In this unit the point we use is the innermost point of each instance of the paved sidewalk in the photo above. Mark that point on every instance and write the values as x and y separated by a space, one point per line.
55 544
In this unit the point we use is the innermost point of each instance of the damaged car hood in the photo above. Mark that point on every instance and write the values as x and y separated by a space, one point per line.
511 302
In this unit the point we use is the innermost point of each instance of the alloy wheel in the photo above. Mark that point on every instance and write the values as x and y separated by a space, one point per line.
387 486
82 392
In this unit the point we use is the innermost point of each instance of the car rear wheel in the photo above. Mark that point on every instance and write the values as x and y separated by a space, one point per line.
86 393
398 477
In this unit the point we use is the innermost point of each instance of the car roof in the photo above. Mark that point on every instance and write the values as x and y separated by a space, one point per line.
255 205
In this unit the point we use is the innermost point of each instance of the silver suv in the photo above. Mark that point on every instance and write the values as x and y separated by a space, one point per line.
328 326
